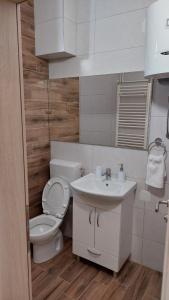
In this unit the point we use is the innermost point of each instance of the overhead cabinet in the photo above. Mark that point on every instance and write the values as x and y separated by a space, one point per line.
55 28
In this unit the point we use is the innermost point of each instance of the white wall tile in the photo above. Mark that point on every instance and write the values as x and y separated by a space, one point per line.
69 36
127 34
127 60
137 246
154 227
112 157
48 10
70 9
107 8
153 255
138 222
73 152
65 68
158 195
139 201
85 10
85 38
44 37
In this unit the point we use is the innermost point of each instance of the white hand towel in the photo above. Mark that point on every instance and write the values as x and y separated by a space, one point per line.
156 171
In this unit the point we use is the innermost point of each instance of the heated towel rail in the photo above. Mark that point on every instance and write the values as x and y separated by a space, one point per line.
133 107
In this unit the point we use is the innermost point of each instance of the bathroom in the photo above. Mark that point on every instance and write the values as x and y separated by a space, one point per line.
90 113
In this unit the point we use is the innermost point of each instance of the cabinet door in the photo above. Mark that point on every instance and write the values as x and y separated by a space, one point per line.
107 231
83 223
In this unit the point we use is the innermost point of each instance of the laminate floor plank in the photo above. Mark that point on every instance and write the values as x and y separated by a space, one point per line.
59 290
73 271
78 286
36 271
136 291
155 285
65 278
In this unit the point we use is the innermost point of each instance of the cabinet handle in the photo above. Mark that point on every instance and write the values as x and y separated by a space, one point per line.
98 217
94 251
90 217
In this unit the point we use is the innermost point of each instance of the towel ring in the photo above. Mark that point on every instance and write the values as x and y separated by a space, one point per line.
158 143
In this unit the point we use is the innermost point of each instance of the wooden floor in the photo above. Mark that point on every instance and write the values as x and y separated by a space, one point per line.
65 278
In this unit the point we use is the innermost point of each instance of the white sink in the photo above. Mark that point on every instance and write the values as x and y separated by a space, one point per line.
101 188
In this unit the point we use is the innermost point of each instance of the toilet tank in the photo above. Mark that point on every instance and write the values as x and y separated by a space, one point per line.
69 170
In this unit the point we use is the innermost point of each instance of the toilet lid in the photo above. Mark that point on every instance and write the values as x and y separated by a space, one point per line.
55 198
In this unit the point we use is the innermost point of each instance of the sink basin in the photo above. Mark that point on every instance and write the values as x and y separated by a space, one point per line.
101 188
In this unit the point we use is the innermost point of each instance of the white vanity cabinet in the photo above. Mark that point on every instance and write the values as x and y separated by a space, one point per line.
102 233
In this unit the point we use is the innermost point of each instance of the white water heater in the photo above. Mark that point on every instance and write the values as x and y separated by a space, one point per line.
157 40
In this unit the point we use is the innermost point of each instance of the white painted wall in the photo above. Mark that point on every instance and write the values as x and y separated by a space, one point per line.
110 39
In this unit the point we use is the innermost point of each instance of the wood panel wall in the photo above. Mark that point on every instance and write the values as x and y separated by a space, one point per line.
51 110
35 73
64 109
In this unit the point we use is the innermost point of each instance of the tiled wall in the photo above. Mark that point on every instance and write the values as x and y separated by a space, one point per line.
110 38
148 227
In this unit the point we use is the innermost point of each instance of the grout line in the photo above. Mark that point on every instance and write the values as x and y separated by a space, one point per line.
111 16
109 51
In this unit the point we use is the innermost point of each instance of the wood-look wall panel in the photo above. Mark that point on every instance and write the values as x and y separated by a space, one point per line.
36 134
51 110
35 89
35 73
64 109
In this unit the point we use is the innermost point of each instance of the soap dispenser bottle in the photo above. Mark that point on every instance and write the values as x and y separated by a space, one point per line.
121 174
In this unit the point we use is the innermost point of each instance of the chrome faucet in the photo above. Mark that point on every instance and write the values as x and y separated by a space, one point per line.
108 174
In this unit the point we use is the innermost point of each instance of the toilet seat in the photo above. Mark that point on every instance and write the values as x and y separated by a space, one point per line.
55 198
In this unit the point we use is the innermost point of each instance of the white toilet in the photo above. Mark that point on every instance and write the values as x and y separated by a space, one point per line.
45 235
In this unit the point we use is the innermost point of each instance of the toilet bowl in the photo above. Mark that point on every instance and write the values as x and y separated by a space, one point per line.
45 235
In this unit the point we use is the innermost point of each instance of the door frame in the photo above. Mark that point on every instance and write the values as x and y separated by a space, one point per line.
15 251
165 283
18 8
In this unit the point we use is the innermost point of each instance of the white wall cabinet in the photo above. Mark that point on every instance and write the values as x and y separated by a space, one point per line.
55 28
103 234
